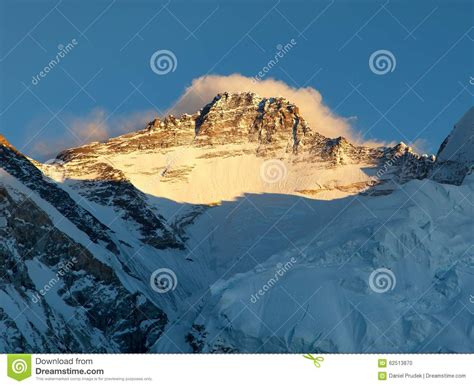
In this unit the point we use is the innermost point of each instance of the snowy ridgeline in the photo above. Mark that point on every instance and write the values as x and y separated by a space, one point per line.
268 238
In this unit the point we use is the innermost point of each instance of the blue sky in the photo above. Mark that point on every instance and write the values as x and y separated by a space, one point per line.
107 75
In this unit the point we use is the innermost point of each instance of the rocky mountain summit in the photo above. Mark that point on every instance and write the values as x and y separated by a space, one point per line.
230 139
223 199
270 124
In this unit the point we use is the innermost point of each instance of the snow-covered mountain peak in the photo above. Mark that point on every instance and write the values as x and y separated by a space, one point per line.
247 117
455 159
225 149
4 142
402 147
459 145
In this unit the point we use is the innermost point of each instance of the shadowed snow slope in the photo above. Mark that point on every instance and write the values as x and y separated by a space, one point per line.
322 300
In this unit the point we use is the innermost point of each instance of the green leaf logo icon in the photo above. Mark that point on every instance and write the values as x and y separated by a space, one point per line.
19 366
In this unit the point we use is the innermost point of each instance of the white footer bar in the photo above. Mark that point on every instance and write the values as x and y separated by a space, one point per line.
237 369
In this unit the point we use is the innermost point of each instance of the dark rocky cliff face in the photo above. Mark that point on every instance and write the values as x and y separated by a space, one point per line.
56 295
111 189
66 299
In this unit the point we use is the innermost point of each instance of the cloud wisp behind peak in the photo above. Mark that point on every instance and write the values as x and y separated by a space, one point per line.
309 101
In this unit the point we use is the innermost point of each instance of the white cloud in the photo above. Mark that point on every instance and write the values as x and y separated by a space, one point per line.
93 127
310 102
98 125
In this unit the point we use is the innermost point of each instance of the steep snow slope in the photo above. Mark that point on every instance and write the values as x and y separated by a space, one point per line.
322 301
60 291
68 281
455 157
459 145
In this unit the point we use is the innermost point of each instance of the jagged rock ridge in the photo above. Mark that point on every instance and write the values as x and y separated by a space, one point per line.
239 132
